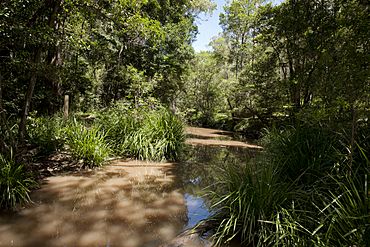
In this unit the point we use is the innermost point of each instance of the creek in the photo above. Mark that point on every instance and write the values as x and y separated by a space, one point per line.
126 203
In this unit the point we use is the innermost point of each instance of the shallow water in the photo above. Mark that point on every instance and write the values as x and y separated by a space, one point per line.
127 203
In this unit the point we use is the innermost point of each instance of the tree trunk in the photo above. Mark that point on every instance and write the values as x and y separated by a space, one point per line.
353 134
66 107
2 110
233 117
3 145
29 94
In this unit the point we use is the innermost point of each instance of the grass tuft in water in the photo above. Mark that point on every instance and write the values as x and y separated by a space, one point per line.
87 144
244 194
144 133
297 192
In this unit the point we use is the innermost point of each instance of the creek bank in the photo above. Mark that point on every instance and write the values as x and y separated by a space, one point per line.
125 203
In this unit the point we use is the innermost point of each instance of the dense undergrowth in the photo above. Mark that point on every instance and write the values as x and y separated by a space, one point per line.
149 133
304 189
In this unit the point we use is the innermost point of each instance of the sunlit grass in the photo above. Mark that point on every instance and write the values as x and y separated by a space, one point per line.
46 133
148 134
87 144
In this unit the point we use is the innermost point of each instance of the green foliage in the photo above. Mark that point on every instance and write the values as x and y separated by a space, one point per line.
160 137
46 133
15 183
337 215
281 61
144 133
304 153
97 52
205 96
298 191
119 122
8 132
87 144
245 195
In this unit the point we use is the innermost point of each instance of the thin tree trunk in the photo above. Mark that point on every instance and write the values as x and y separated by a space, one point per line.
353 134
233 117
3 145
66 107
7 142
29 94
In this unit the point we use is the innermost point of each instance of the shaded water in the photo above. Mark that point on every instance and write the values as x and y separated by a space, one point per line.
127 203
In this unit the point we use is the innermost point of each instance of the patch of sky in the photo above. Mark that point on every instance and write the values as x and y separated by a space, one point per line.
208 26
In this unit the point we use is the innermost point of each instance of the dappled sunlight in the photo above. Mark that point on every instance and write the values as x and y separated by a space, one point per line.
207 133
214 137
128 203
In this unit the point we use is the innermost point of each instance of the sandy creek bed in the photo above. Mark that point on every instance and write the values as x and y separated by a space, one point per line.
127 203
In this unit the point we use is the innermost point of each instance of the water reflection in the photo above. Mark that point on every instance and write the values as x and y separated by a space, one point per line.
196 209
202 164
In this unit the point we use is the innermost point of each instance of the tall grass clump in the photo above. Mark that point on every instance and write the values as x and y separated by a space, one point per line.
304 153
87 144
297 192
144 133
160 137
119 123
15 183
330 217
243 195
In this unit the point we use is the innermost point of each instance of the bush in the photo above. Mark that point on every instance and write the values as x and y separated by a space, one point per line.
245 195
46 133
304 153
297 192
88 145
143 133
15 183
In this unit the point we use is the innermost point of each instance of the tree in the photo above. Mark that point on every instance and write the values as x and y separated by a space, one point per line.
237 24
204 96
95 51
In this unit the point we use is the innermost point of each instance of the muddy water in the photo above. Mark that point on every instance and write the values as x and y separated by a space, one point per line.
127 203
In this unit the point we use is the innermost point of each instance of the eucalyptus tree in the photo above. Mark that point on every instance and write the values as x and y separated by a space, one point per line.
29 46
286 60
237 24
319 51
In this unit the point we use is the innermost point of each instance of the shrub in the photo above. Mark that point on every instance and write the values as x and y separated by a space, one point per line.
88 145
298 192
143 133
245 195
46 133
161 136
15 183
